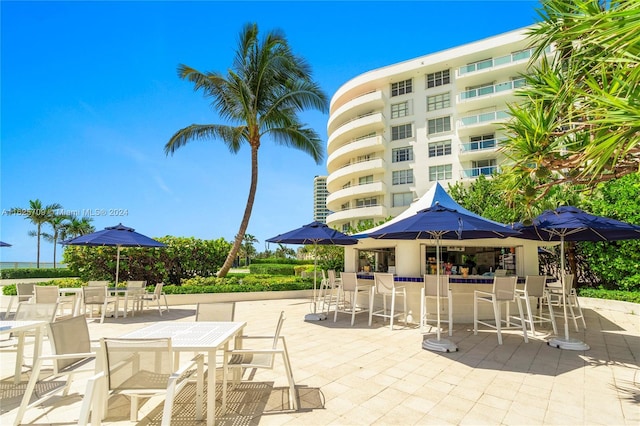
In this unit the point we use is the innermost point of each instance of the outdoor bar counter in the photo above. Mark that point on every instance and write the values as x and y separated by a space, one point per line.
461 287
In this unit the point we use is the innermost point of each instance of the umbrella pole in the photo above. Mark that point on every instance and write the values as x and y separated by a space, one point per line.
566 342
442 345
117 265
315 316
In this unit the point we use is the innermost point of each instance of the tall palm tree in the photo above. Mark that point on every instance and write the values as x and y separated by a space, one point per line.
261 96
57 223
38 215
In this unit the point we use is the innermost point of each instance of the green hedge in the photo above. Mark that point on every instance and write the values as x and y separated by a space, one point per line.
234 284
7 274
272 269
280 260
600 293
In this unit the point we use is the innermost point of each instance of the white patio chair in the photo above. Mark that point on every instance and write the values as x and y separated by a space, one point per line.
29 312
24 294
349 293
535 287
155 297
98 296
329 290
241 359
385 286
218 311
98 284
51 294
429 292
571 298
135 291
503 292
139 368
71 355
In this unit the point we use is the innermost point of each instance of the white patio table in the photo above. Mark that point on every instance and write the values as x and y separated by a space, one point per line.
20 327
204 337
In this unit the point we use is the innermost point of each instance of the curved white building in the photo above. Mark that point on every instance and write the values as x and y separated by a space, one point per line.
394 131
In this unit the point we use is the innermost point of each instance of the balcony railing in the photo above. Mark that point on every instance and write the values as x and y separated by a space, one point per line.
492 88
480 145
494 62
477 171
484 117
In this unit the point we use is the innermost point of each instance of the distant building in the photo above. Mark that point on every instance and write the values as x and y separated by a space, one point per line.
394 131
320 211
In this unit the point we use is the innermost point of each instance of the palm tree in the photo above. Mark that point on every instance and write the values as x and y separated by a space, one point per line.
76 227
580 119
247 248
38 215
58 224
261 95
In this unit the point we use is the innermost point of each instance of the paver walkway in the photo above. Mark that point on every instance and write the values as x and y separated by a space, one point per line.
360 375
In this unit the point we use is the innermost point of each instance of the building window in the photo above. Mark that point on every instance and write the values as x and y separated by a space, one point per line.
401 177
440 148
401 132
344 206
400 110
365 180
366 202
439 125
402 199
440 101
441 172
401 87
402 154
482 142
483 167
346 227
439 78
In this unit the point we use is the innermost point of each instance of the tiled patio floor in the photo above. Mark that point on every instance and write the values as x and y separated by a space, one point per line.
360 375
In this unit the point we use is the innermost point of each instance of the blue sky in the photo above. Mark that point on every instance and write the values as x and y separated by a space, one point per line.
90 96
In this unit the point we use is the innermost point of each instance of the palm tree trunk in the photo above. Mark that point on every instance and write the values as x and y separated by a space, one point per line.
247 213
38 253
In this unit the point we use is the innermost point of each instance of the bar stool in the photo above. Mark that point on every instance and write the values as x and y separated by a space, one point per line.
535 286
385 285
430 291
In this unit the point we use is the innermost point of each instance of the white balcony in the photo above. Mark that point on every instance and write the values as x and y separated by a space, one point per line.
375 212
357 191
357 106
484 117
479 148
366 123
490 90
355 148
493 63
477 171
337 179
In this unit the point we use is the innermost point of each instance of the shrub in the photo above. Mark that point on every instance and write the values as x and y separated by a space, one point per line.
182 258
36 273
272 269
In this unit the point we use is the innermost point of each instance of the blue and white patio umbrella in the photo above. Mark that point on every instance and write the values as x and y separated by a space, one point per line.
315 233
3 244
569 223
442 223
116 236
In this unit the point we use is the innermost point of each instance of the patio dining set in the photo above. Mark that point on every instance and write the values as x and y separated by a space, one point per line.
142 363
